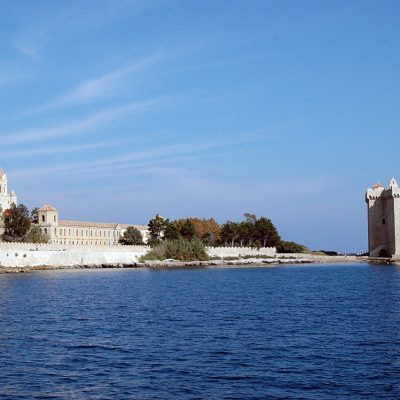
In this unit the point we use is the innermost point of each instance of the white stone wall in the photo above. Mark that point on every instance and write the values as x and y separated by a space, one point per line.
240 251
25 254
30 254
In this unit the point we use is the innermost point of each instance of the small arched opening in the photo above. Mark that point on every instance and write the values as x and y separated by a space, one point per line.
383 253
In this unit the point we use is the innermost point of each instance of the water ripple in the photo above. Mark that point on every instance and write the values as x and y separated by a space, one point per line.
313 332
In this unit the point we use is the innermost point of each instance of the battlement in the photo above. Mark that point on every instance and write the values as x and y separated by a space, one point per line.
22 246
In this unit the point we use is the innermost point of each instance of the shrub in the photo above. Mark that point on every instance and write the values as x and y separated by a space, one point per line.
35 235
291 247
177 249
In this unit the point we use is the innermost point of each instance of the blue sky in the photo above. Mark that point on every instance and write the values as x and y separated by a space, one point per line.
117 110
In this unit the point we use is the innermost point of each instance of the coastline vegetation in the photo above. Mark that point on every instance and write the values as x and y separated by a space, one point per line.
182 239
177 249
291 247
186 239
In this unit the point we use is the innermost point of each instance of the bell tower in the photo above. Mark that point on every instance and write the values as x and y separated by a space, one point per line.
6 199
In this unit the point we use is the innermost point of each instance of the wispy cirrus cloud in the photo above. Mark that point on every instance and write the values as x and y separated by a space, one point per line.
29 43
100 87
85 125
144 158
149 154
51 150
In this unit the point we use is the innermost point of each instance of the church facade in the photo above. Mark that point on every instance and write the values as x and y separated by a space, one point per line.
384 220
79 233
6 199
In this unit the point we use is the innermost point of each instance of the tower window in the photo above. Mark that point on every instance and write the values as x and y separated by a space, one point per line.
383 221
43 218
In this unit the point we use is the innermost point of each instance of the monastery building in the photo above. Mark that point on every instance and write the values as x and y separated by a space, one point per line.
69 232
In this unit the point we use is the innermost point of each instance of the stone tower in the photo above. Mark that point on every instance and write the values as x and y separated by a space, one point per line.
384 220
6 199
47 218
48 215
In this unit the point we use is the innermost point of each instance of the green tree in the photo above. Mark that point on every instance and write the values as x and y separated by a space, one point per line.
157 227
251 218
131 237
35 235
247 231
266 232
188 230
17 222
229 233
171 231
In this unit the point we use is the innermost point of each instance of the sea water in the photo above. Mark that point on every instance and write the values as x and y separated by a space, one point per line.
300 332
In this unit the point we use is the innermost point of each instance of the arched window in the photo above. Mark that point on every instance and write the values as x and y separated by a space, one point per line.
45 231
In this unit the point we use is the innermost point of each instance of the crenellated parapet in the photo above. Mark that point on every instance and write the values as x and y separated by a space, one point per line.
241 251
63 247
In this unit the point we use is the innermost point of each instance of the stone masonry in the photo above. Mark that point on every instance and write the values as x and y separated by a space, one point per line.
384 220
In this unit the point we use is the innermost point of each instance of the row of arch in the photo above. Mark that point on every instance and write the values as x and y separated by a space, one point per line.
83 233
85 242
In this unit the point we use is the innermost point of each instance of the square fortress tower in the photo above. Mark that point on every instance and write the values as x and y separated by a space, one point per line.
384 220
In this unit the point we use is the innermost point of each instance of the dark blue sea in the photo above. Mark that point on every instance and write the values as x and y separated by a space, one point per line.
312 332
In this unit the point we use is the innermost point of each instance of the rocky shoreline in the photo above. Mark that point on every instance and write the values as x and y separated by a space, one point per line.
256 262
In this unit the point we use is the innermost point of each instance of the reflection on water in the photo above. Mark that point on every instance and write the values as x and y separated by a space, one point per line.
310 332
